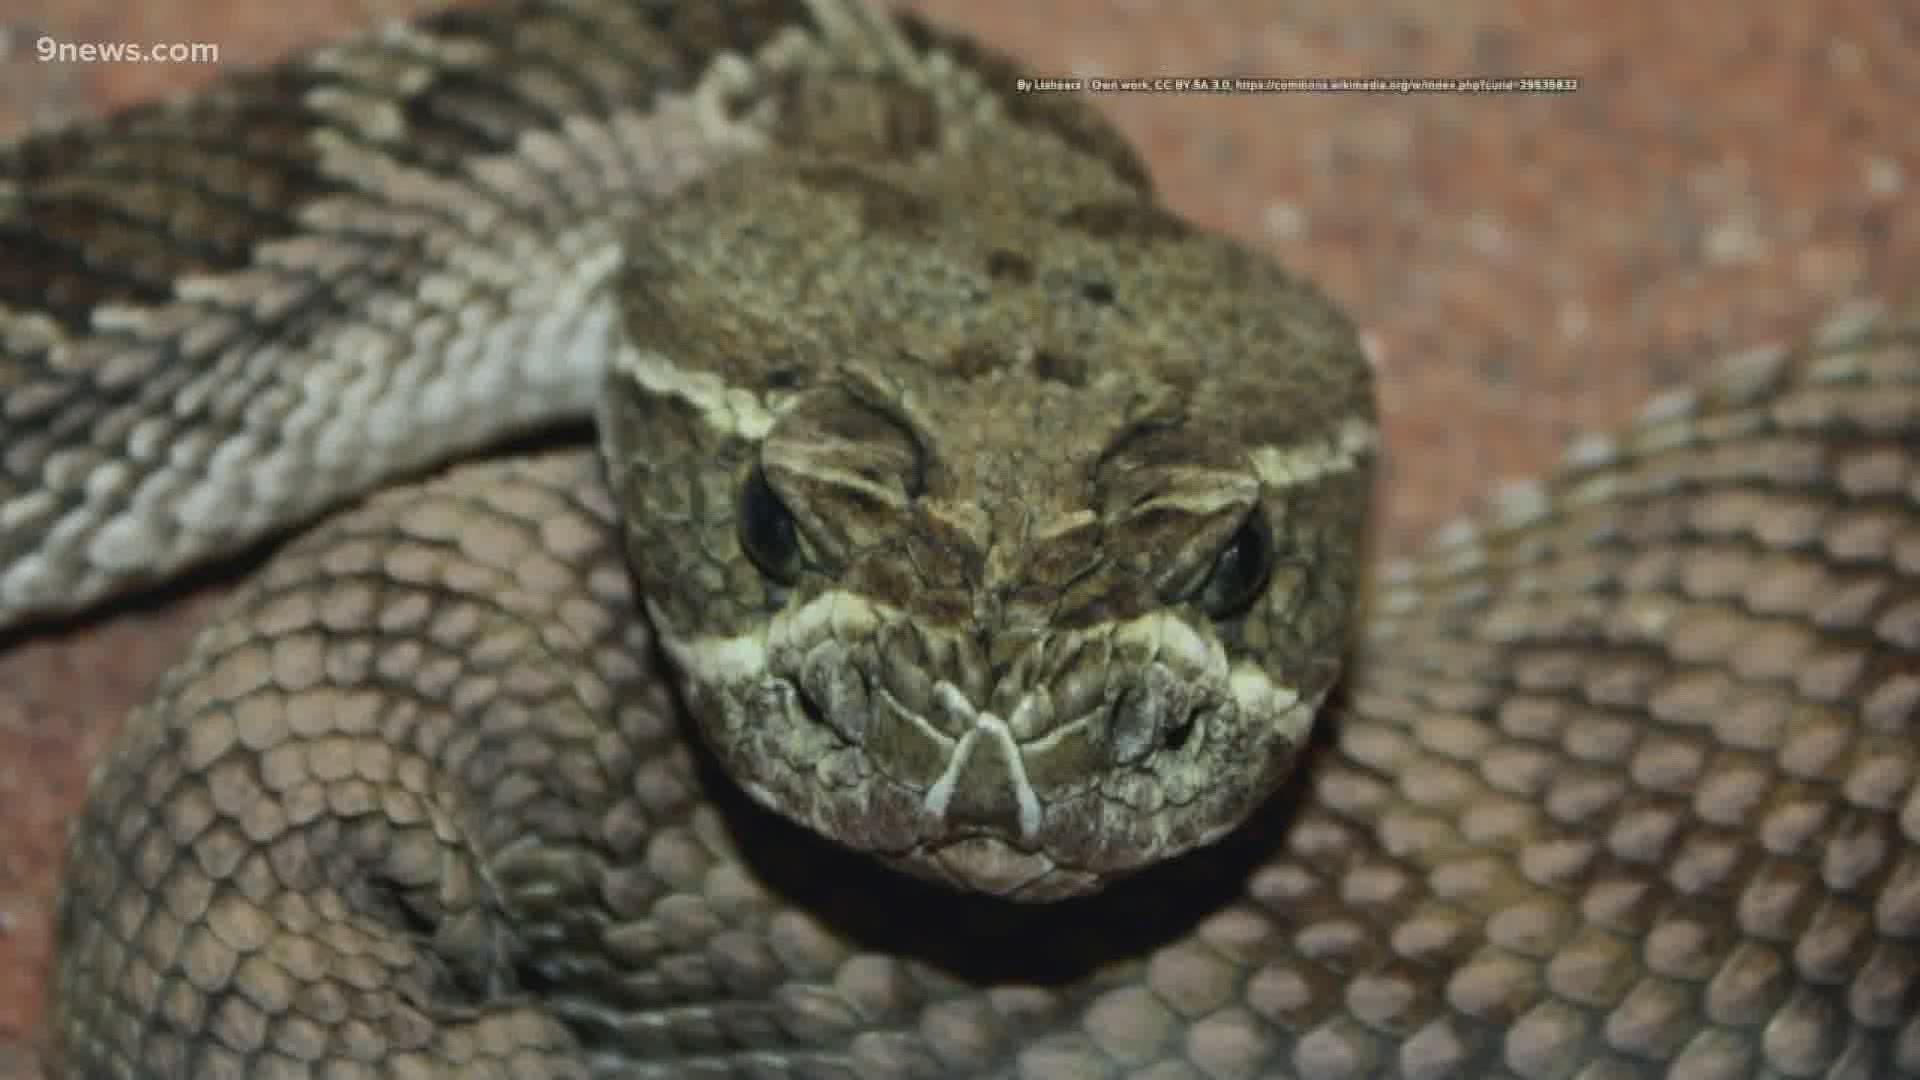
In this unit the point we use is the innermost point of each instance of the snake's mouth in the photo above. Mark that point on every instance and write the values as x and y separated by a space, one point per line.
1099 752
989 864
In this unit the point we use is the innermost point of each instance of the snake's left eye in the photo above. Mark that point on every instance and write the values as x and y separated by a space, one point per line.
1239 570
767 531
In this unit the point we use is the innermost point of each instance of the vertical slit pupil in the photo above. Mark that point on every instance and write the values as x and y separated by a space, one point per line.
767 530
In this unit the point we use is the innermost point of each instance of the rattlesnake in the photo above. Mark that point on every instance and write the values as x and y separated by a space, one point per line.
998 525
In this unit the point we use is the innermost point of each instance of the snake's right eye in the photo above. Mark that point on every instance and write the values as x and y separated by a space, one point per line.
767 531
1239 570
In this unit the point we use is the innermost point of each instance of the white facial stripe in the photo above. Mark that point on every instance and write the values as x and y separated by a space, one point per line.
727 409
718 660
1253 689
985 726
1168 635
1218 494
1302 463
819 467
1052 528
746 656
1258 694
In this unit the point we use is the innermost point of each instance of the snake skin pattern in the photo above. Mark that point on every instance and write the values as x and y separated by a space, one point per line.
913 403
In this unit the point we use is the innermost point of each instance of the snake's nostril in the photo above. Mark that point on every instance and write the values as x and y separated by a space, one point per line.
1175 735
833 693
1142 722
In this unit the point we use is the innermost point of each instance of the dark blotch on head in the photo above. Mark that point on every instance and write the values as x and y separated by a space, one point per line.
784 378
873 117
1097 291
1004 265
972 360
1060 368
1118 220
884 207
912 122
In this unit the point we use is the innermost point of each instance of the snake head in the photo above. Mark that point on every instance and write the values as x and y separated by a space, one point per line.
1006 532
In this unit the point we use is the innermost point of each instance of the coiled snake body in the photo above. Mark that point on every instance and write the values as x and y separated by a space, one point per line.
937 671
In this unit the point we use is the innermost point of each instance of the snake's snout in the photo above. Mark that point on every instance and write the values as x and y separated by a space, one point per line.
1081 756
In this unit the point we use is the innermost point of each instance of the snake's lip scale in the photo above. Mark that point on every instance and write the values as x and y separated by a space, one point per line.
887 750
990 865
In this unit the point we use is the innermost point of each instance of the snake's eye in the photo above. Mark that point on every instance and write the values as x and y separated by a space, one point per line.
1239 570
767 531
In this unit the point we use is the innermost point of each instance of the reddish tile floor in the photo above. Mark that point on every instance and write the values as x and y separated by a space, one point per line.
1525 267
